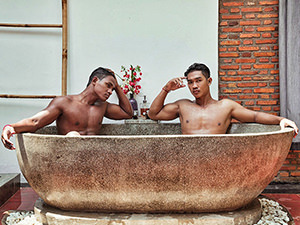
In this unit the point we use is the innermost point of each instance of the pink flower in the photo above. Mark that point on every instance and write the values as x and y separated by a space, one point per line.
127 76
141 73
138 86
126 86
131 83
136 91
134 73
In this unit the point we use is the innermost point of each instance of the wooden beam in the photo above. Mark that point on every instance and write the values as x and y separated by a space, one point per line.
64 47
30 25
26 96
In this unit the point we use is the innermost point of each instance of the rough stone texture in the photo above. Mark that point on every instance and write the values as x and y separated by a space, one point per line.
48 215
153 173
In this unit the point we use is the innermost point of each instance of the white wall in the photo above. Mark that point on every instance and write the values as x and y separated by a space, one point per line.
164 37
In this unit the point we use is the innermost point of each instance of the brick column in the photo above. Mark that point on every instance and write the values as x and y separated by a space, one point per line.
248 63
248 53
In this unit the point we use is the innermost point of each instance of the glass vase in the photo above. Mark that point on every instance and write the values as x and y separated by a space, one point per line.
134 106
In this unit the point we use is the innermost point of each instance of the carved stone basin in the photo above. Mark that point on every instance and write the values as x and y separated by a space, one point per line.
152 167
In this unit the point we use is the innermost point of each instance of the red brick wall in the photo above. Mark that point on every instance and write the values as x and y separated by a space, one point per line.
248 53
290 171
248 63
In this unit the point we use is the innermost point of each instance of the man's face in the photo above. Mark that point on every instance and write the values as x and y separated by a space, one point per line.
198 84
105 87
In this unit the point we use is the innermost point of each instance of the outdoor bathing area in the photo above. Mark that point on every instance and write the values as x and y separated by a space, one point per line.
140 171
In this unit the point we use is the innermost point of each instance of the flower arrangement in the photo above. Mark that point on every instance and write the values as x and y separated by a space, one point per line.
130 79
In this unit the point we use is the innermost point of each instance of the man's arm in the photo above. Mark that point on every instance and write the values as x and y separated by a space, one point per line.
245 115
159 111
41 119
121 111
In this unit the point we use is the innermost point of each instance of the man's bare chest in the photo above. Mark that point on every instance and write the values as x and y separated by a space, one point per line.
83 114
207 115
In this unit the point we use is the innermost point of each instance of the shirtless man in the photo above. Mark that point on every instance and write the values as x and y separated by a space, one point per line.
80 114
205 115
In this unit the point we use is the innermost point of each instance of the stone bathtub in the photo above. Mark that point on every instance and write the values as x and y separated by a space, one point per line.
152 167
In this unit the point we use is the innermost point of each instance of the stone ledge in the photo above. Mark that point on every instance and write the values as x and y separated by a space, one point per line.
48 215
9 185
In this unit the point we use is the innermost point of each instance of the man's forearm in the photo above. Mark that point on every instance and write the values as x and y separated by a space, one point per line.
157 107
25 125
158 103
123 101
266 118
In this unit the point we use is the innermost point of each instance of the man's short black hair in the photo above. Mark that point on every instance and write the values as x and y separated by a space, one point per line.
100 73
198 67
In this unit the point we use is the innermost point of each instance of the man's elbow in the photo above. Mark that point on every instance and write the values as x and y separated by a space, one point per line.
152 115
128 116
131 113
32 125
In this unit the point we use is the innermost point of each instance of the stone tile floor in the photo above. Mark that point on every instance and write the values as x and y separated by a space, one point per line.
25 198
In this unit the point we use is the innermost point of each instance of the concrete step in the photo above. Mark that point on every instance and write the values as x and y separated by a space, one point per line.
9 185
283 188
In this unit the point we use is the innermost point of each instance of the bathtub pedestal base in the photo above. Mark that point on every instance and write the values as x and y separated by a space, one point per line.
48 215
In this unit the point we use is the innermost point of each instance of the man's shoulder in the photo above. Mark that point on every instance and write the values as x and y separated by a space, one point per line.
228 103
184 101
61 100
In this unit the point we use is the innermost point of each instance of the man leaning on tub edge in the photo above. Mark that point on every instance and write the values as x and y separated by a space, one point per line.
80 114
206 115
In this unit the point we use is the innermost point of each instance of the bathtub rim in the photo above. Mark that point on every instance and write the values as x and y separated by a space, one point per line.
102 136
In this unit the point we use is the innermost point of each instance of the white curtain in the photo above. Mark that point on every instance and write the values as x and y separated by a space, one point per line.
289 61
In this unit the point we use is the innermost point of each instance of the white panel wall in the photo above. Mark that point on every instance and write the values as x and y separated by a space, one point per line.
164 37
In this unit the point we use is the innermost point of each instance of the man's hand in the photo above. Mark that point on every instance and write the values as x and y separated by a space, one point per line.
7 133
174 84
288 123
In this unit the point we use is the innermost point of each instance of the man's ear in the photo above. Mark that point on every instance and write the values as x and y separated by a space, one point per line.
209 80
95 80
